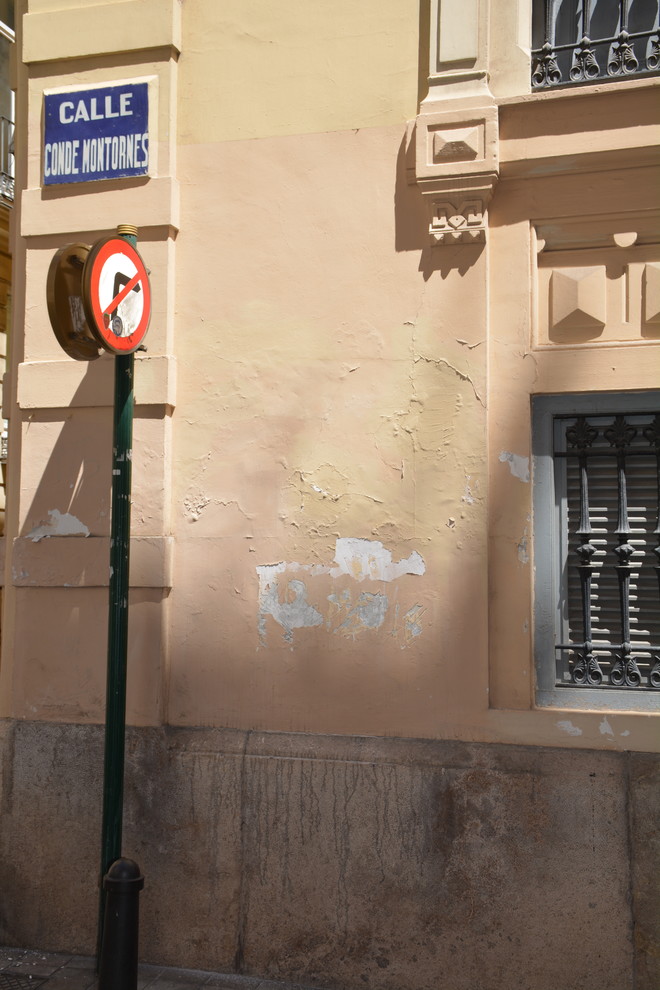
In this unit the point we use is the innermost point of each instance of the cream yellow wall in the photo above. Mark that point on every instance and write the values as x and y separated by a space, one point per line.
251 69
323 389
317 373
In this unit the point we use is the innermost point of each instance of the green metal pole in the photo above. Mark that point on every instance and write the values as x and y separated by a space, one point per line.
120 534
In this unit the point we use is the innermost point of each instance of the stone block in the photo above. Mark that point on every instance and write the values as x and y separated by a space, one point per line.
577 300
651 293
645 846
183 826
50 836
343 862
407 876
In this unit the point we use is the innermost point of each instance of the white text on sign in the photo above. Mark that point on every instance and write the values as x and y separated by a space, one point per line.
96 108
96 155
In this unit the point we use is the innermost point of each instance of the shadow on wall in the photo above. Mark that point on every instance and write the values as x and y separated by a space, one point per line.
411 223
61 556
75 479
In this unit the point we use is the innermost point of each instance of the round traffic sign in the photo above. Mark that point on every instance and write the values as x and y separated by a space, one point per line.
116 295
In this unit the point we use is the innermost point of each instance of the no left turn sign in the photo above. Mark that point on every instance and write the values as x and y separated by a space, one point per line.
116 295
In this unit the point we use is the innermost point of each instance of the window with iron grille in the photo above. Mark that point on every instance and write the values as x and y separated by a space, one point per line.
597 549
581 41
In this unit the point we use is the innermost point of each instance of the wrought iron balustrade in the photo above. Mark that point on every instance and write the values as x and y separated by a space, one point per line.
6 159
580 41
611 504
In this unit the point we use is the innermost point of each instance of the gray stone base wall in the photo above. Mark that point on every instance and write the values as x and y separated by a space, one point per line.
344 863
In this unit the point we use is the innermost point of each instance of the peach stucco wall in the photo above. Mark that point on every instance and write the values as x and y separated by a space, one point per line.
319 497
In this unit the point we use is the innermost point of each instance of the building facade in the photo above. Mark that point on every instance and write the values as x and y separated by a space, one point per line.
394 641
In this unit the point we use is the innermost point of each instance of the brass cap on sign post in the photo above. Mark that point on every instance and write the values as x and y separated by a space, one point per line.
127 228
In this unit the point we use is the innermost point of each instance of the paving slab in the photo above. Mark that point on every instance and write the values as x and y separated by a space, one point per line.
24 968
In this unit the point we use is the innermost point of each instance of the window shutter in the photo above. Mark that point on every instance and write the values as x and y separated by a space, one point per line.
640 462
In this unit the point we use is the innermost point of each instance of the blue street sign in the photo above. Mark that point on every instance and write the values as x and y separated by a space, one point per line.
100 133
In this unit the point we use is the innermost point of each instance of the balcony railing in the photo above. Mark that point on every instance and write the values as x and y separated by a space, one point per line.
6 159
581 41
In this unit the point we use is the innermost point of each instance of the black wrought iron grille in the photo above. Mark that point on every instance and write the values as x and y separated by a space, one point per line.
580 41
607 471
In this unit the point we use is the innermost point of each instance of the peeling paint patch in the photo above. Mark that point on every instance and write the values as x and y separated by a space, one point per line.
294 613
568 727
519 466
355 558
59 524
412 622
370 559
605 728
194 504
467 495
340 601
368 613
523 556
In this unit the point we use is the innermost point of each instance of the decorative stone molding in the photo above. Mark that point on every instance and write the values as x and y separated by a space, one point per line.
597 279
458 222
577 299
458 47
456 131
456 169
651 290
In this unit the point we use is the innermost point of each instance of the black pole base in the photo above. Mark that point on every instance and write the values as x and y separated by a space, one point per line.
118 961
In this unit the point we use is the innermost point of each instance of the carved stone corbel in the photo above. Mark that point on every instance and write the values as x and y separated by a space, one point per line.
456 169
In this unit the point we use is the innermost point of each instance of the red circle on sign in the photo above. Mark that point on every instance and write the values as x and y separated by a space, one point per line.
116 295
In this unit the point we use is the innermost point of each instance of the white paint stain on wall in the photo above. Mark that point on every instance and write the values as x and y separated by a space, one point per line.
59 524
293 613
567 726
370 559
519 466
368 613
355 558
605 728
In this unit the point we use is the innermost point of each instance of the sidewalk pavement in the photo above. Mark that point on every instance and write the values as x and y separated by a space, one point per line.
21 969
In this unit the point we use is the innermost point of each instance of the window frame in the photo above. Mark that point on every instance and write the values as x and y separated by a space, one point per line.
547 542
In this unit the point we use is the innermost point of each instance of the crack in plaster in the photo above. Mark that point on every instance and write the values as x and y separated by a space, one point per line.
323 492
464 377
194 505
336 498
470 347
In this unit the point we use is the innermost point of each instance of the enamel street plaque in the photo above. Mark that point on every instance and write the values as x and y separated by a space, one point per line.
99 133
116 295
